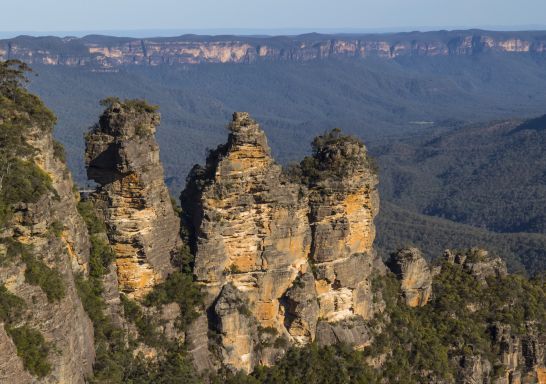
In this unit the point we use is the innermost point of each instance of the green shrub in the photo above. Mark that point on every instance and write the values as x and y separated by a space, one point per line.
178 288
87 212
58 151
48 279
32 349
146 325
101 256
14 249
57 228
11 306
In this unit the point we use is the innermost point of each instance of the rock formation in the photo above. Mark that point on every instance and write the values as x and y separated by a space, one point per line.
284 257
478 262
122 156
343 202
251 231
289 254
415 276
54 234
91 51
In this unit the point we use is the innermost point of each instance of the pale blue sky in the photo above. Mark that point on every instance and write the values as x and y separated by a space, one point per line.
261 15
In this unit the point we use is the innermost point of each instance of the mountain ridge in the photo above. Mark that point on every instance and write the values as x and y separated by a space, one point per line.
109 51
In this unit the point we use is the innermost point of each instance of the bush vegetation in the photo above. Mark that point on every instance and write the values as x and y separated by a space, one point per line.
179 288
309 364
32 349
48 279
457 322
334 156
11 306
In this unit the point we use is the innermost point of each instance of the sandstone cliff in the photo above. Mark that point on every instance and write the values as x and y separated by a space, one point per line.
122 156
109 53
343 202
415 275
251 234
52 241
273 256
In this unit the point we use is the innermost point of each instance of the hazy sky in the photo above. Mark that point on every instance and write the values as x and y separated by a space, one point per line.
101 15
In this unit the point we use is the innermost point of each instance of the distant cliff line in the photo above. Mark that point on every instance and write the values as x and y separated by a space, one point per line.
111 52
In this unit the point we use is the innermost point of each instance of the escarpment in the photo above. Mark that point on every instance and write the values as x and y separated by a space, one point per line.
43 247
275 268
93 51
292 254
122 156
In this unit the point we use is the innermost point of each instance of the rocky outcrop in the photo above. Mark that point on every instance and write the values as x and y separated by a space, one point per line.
415 276
301 308
474 370
290 253
122 156
478 262
250 227
237 328
54 234
110 55
343 202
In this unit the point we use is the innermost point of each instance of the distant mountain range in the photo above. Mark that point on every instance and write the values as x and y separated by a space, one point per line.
106 52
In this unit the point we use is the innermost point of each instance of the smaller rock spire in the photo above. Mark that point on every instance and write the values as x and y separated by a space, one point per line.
414 274
123 157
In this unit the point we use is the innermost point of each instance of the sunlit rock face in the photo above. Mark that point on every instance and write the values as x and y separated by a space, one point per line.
122 156
343 202
93 52
291 252
415 276
251 230
63 321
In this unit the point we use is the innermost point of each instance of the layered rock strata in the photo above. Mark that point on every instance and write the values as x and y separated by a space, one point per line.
94 52
252 235
122 156
54 234
274 256
343 202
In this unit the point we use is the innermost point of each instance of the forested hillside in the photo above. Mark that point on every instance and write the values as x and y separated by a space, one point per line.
490 177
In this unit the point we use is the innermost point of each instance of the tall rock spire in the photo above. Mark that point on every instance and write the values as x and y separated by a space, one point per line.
251 237
343 204
122 156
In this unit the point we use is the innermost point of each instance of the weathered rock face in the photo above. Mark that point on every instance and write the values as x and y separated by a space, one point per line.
122 156
478 262
11 366
93 52
253 240
250 225
63 323
474 369
301 308
343 202
414 273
